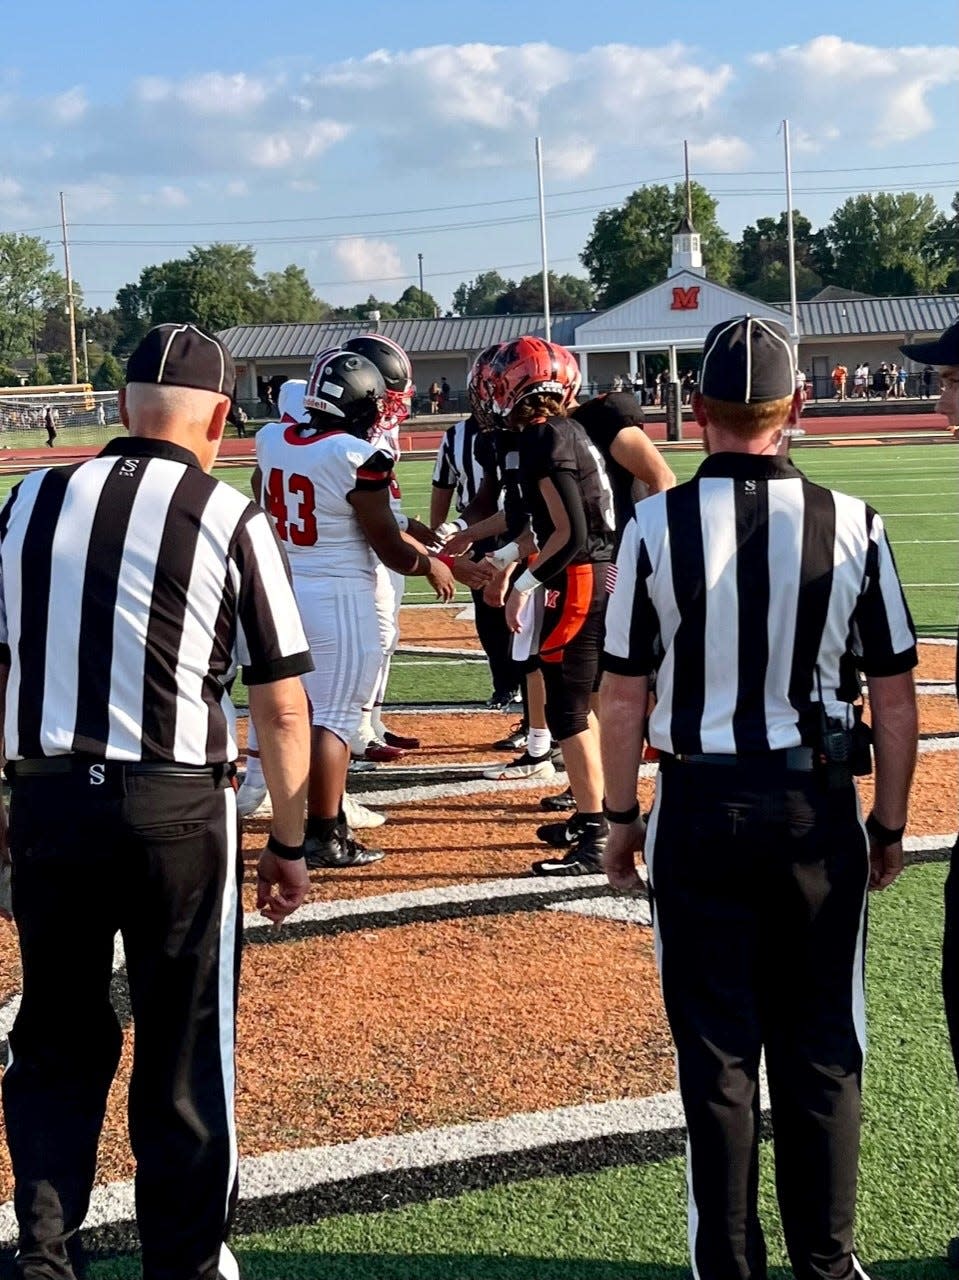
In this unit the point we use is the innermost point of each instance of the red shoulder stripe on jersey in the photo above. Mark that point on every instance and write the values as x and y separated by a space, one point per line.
292 435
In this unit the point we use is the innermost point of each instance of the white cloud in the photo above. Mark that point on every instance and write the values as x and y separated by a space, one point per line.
167 197
721 153
364 259
69 107
879 93
214 94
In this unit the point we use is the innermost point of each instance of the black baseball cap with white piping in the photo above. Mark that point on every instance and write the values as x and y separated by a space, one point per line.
748 360
943 350
182 355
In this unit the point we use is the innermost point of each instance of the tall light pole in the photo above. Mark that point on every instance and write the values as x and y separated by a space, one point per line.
71 316
791 240
542 238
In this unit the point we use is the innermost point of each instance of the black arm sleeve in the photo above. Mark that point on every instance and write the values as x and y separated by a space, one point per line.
572 501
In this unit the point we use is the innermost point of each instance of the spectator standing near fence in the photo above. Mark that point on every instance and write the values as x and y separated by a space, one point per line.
434 395
754 595
123 815
839 375
50 426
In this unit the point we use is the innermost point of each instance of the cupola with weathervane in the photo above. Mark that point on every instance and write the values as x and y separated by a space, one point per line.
687 247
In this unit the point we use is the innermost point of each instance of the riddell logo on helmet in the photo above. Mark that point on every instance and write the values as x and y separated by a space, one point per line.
685 299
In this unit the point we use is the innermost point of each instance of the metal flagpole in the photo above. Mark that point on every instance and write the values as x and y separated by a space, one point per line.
791 238
70 311
542 237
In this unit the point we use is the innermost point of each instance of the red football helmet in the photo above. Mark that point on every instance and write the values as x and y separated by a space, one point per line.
394 364
529 366
479 388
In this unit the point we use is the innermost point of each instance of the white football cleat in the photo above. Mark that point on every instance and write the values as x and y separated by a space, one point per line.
359 817
525 766
250 798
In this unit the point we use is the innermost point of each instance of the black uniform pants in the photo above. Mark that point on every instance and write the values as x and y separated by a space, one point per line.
759 881
497 640
950 954
155 858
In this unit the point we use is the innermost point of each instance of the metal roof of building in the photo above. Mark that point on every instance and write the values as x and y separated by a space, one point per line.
877 317
454 333
859 317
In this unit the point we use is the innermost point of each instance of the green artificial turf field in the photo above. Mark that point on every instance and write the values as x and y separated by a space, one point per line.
628 1222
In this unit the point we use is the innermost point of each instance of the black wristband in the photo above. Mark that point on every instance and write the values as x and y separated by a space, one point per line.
286 852
884 836
621 817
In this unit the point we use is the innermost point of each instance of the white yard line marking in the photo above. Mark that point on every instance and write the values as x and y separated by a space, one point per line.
634 910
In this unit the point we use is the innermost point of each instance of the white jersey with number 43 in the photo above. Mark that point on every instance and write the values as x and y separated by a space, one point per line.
307 478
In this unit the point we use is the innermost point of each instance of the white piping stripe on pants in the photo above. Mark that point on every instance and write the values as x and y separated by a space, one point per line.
229 918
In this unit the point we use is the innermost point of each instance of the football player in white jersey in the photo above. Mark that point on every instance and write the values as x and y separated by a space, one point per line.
372 740
289 402
326 487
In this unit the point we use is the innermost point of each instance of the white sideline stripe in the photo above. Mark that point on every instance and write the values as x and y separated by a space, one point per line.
936 688
926 745
623 910
481 786
916 844
436 651
937 640
385 903
285 1172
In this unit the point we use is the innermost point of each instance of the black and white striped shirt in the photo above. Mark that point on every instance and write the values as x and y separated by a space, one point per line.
457 466
130 588
735 587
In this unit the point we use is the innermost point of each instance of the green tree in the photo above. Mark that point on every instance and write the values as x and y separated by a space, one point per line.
40 375
215 286
566 293
479 297
59 366
884 243
29 287
943 246
630 247
412 304
361 310
109 376
763 268
287 297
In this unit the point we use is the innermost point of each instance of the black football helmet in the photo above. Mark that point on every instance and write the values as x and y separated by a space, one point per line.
346 388
394 364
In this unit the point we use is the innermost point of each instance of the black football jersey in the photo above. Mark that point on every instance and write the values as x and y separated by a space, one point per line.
561 444
498 454
603 418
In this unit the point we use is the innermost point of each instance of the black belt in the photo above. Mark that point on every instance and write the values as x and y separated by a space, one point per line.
796 759
113 770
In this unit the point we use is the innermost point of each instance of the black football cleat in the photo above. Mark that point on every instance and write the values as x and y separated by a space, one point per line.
584 859
563 803
339 852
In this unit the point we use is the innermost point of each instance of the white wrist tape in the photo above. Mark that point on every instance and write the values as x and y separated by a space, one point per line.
445 531
403 522
526 582
504 556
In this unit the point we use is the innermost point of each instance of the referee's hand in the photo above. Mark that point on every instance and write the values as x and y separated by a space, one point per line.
624 841
885 863
281 886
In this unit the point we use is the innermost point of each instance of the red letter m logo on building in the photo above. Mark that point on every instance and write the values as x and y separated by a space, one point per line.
685 299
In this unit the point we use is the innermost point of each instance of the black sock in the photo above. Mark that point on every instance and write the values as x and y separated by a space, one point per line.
322 829
592 820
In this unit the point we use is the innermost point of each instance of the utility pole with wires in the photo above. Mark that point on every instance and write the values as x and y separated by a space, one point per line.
791 241
71 315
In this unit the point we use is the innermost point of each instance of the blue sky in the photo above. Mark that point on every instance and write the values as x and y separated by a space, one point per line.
350 138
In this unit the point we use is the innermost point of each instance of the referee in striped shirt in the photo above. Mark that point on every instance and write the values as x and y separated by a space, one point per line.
467 454
130 587
755 597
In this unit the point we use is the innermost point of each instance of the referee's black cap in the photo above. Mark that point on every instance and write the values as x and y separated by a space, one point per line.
182 355
748 360
942 350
